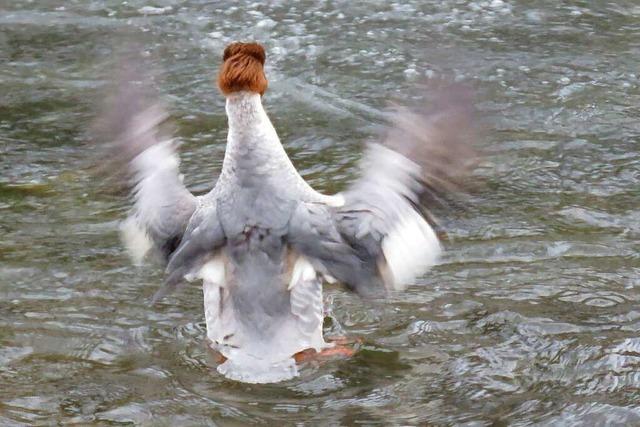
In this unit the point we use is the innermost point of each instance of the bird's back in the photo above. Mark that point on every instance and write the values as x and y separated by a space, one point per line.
268 310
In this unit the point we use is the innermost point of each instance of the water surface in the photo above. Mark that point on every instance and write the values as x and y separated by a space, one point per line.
532 317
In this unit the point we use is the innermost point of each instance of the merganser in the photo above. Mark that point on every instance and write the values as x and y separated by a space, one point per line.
262 240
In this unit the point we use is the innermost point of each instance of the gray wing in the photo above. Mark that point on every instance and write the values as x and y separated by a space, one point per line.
313 232
138 149
202 239
385 218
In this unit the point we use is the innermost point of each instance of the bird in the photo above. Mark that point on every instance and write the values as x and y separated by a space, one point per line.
262 241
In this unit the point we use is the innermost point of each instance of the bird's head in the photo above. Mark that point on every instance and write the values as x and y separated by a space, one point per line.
243 69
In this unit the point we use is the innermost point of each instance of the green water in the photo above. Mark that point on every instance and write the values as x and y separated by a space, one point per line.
532 318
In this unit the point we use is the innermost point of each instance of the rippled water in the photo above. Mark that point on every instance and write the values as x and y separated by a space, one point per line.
532 318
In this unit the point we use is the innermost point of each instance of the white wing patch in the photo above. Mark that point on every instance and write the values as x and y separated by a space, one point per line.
302 271
213 272
410 249
156 171
135 239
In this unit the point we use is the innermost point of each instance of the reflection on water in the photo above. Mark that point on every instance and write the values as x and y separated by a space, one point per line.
532 317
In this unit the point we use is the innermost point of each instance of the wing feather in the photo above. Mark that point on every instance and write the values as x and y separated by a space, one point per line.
381 234
139 151
201 241
313 233
387 215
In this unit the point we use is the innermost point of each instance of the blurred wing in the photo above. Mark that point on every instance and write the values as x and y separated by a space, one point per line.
162 205
383 221
387 215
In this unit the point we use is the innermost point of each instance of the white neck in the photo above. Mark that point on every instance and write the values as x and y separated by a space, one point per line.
254 155
253 146
245 113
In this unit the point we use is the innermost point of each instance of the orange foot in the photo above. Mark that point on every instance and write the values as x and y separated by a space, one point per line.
218 357
343 348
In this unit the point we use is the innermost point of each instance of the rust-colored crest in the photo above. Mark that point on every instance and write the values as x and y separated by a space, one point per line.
243 69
